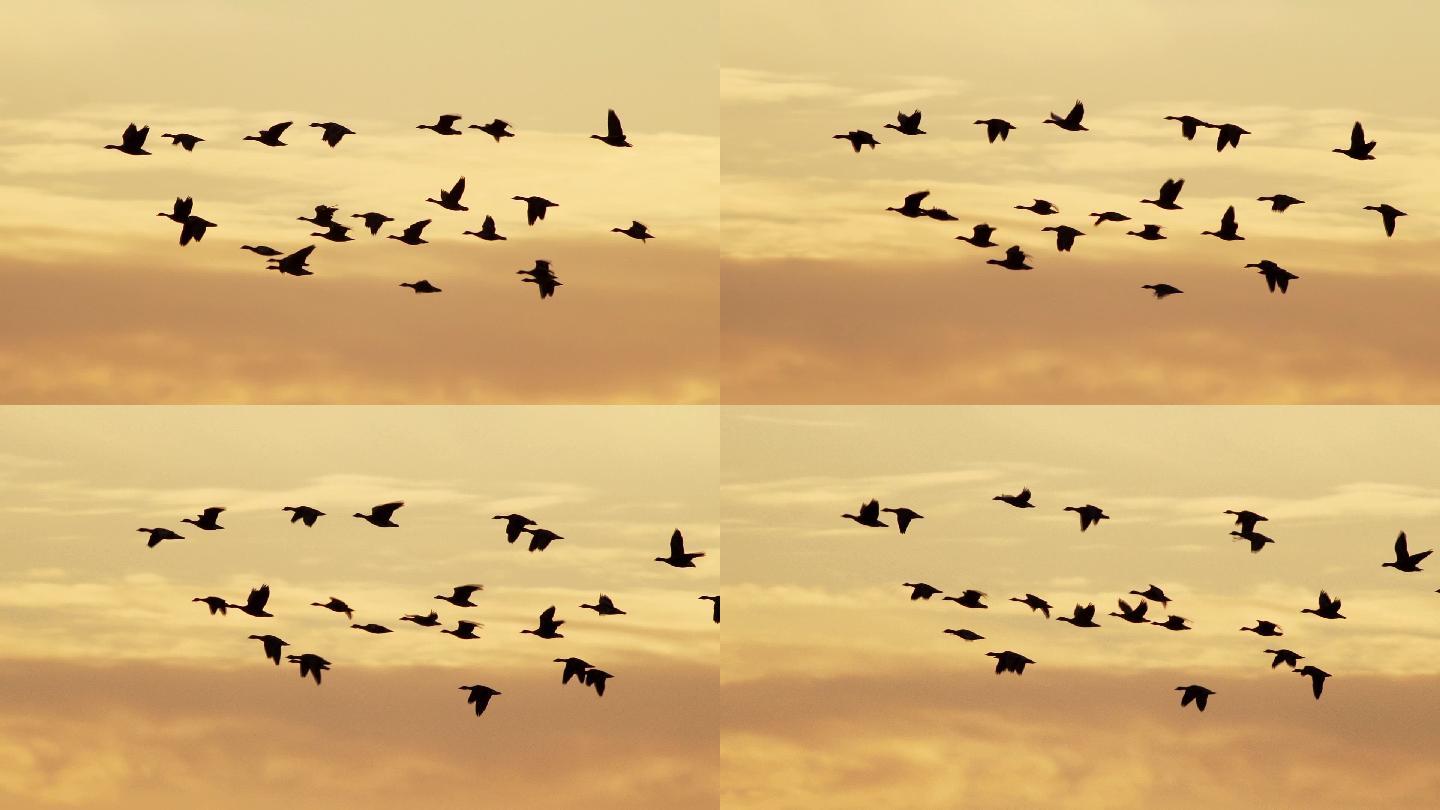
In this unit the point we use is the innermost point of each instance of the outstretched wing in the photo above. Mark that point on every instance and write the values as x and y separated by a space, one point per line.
1357 137
914 200
612 126
458 189
413 232
1076 113
677 543
258 597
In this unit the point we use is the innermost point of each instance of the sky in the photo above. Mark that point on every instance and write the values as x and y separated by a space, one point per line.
840 691
117 312
828 298
119 692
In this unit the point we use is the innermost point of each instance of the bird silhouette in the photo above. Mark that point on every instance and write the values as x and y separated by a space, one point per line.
548 625
596 678
207 519
180 210
324 216
337 605
380 515
1173 623
941 214
542 277
1149 233
375 629
969 599
1359 148
1161 290
574 668
637 230
272 645
1246 519
1109 216
464 629
1071 122
1280 202
431 619
460 597
996 128
271 135
215 603
1404 560
1169 192
1134 615
255 603
1034 603
373 220
158 535
487 231
333 132
1042 207
194 229
496 129
1256 540
1021 501
967 635
1082 616
1154 594
1329 608
903 516
911 207
1229 136
540 539
335 232
869 515
1229 231
1388 215
1189 125
715 611
184 140
450 200
1317 678
261 250
411 235
421 286
1275 275
480 697
679 558
1289 658
445 125
1264 628
1194 693
514 526
909 124
614 133
535 208
921 590
1064 236
980 237
604 607
1089 515
1009 661
857 139
132 142
310 664
295 263
1014 259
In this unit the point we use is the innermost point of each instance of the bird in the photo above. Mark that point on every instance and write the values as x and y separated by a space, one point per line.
295 263
514 526
450 200
1317 678
207 519
1388 215
1089 515
333 132
1014 259
540 539
421 286
1275 275
715 612
1064 236
487 231
1229 230
1109 216
1246 519
969 599
1194 693
911 207
1173 623
1256 540
1161 290
430 619
856 137
574 668
535 208
157 535
980 237
461 595
542 277
1229 136
194 229
596 678
1042 207
180 210
1021 501
255 603
1154 594
903 516
1264 628
941 214
335 232
464 629
1149 233
380 515
271 135
1169 192
1034 603
272 645
1009 661
1283 656
869 515
614 133
184 140
1082 616
679 558
1071 122
324 216
215 603
996 128
1329 608
548 625
604 607
337 605
132 142
909 124
1134 615
921 590
310 664
1280 202
480 697
968 635
1359 148
261 250
1404 560
1189 125
375 629
443 126
496 129
411 235
373 220
637 230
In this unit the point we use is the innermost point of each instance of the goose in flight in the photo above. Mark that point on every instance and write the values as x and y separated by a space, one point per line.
1034 603
208 520
374 629
574 668
1317 678
1173 623
1229 230
715 611
996 128
333 132
295 263
464 629
1134 615
431 619
1404 560
535 208
261 250
1089 515
980 237
184 140
968 635
514 526
215 603
1229 136
1279 202
911 207
1014 259
1289 658
969 599
1042 207
1256 540
157 535
1154 594
271 135
337 605
421 286
679 558
1194 693
1388 214
411 235
487 231
324 216
614 133
194 229
1329 608
542 277
596 678
540 539
335 232
1264 628
869 515
1162 289
1009 661
1149 233
604 607
180 210
380 515
272 645
1189 125
1064 236
548 625
445 125
909 124
1275 275
1021 501
1071 122
1359 148
450 200
255 603
1108 216
1246 519
374 220
903 516
1082 616
856 137
310 664
480 697
461 595
637 230
1169 192
921 590
496 129
132 142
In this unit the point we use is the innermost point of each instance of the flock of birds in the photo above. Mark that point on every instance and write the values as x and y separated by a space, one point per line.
1276 277
193 227
383 516
1327 607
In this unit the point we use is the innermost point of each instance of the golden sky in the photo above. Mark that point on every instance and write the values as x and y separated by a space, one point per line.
116 312
845 692
828 298
119 692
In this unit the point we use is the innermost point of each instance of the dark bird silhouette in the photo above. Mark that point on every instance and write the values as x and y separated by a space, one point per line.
271 135
1034 603
445 125
1246 519
1021 501
1089 515
180 211
1014 259
911 207
1329 608
337 605
380 515
1134 615
1154 594
1229 230
941 214
1008 661
968 635
1042 207
535 208
1279 202
194 229
1289 658
980 237
421 286
1189 124
480 697
335 232
514 526
215 603
272 645
333 132
1161 290
548 625
1256 540
1064 236
375 629
411 235
1359 148
1082 616
637 230
596 678
542 277
903 516
1404 560
1071 122
310 664
1149 233
450 200
1173 623
969 599
255 603
431 619
295 263
921 590
996 128
461 595
208 520
604 607
679 558
132 142
261 250
324 216
1275 275
857 139
1229 136
1169 192
157 535
715 612
487 231
1316 675
574 668
496 129
540 539
869 515
184 140
1194 693
373 220
909 124
1388 214
1264 628
464 629
1109 216
614 133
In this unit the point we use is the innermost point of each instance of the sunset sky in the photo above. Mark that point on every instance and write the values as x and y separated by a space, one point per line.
119 692
115 311
828 298
841 692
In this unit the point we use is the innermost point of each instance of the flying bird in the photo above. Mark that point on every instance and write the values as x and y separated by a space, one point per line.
194 229
132 142
310 664
421 286
1317 678
450 200
1264 628
1149 233
514 526
969 599
1161 290
1280 202
1388 215
542 277
487 231
1082 616
856 137
1246 519
1014 259
295 263
604 607
548 626
157 535
373 220
1042 207
375 629
1008 661
255 603
968 635
1071 122
1169 192
679 558
272 645
208 520
1021 501
271 135
215 603
1404 560
596 678
1109 216
1229 136
996 128
1194 693
380 515
1229 230
1064 236
1359 148
540 539
496 129
980 237
411 235
1134 615
535 208
431 619
1173 623
1189 124
464 629
1089 515
614 133
443 126
869 515
261 250
921 590
1275 275
903 516
1154 594
324 216
574 668
460 597
180 210
715 612
1256 540
911 207
1289 658
184 140
909 124
333 132
1034 603
480 697
637 230
335 232
1329 608
337 605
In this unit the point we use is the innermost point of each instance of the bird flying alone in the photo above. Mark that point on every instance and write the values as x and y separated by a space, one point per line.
996 128
421 286
1388 215
132 142
1009 661
1276 277
1229 230
1071 121
208 520
294 264
487 231
1021 501
381 515
159 535
450 200
1089 515
1169 193
479 697
903 516
535 208
909 124
271 135
184 140
679 557
637 230
1162 290
1359 148
1194 693
856 137
445 125
869 515
1014 259
496 129
333 132
614 133
980 236
1404 560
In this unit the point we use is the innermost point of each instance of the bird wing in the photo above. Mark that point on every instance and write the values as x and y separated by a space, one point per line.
612 126
914 200
677 542
1076 113
488 226
1086 613
547 616
1227 222
464 591
385 510
458 189
277 130
258 597
1402 549
1014 254
413 232
605 601
212 513
445 121
463 626
1357 137
183 207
